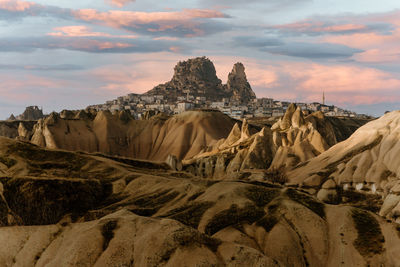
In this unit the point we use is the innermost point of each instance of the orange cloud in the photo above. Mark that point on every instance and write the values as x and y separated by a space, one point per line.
164 20
378 48
310 27
119 3
83 31
16 5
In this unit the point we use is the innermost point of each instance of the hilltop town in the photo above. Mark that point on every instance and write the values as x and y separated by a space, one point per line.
196 86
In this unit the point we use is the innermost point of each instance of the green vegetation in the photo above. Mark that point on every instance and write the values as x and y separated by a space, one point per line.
370 239
369 202
234 216
149 204
46 201
308 201
276 175
190 214
261 196
58 162
108 233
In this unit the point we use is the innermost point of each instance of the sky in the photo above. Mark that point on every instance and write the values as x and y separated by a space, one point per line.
63 54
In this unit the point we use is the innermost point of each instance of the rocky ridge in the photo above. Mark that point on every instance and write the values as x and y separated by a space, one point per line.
183 135
292 140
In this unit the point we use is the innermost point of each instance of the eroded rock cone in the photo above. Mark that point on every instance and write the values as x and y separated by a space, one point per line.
238 85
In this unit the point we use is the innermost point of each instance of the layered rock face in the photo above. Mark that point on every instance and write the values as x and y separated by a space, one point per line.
239 151
238 85
76 209
366 162
291 141
197 77
184 135
299 139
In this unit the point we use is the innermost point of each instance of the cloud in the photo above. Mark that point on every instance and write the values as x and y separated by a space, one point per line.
83 31
35 67
270 5
16 5
318 27
85 44
184 23
313 50
379 47
253 41
119 3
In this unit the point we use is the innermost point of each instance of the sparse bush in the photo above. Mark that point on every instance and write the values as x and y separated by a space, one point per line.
370 239
307 201
276 175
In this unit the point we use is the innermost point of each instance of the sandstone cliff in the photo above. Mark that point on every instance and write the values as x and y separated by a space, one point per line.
184 135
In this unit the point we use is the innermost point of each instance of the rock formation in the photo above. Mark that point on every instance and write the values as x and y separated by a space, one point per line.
184 135
68 209
17 129
365 162
239 151
197 77
12 118
299 139
238 85
32 113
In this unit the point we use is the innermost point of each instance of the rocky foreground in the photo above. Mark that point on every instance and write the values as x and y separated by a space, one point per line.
76 209
204 190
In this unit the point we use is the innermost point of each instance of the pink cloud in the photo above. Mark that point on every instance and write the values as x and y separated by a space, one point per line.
119 3
83 31
23 88
378 48
310 27
89 45
340 78
164 20
344 84
16 5
378 35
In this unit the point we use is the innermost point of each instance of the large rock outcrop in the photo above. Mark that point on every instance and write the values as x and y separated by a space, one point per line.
184 135
197 77
238 85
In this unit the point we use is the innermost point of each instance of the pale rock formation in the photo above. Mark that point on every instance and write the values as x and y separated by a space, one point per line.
184 135
238 152
299 139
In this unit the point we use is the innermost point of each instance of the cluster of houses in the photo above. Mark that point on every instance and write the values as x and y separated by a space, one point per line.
138 105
